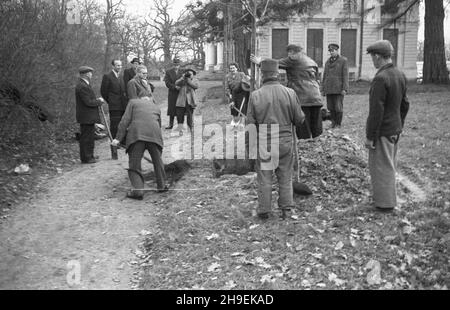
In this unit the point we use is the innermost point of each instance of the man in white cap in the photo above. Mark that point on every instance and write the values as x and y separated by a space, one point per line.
388 106
274 109
87 114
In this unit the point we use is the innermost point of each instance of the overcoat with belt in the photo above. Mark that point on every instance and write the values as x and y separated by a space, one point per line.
169 79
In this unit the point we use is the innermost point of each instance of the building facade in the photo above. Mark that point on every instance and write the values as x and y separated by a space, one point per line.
339 22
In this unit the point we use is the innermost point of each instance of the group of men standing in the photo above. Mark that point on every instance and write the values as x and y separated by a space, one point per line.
294 110
274 104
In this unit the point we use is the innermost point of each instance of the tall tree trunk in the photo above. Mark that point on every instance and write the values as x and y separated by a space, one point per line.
434 65
108 47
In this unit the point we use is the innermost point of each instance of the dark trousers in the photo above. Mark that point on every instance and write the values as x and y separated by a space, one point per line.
135 154
312 126
87 142
114 120
335 104
188 111
171 119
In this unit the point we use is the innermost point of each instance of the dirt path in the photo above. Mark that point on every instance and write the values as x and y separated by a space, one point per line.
82 233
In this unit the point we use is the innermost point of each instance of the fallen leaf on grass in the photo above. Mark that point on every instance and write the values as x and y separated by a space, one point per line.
213 267
267 278
229 285
253 226
145 232
374 275
212 236
306 283
316 255
332 277
339 246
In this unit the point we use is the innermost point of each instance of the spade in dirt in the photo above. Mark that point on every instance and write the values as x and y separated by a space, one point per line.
298 187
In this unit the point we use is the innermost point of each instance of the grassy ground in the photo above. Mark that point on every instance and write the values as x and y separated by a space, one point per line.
208 238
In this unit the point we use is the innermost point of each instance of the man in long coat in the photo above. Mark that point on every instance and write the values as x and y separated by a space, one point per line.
274 109
388 107
335 84
87 114
172 75
113 91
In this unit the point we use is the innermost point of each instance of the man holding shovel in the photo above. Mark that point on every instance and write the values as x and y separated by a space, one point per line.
141 124
87 114
274 109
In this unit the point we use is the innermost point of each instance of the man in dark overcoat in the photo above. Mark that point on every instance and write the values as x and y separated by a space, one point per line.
113 91
172 75
87 114
335 84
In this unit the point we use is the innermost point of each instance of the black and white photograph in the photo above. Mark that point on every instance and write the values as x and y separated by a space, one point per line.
246 149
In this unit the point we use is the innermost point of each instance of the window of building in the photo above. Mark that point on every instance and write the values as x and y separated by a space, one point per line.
314 45
392 36
280 39
348 45
350 6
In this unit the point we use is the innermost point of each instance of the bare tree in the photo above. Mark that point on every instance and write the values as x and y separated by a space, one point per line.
167 29
114 11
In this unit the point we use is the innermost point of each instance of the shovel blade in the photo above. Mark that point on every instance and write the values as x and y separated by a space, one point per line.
114 152
301 189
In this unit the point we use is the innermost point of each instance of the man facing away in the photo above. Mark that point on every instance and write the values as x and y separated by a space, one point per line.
113 91
302 73
171 76
87 114
388 107
274 109
335 84
141 124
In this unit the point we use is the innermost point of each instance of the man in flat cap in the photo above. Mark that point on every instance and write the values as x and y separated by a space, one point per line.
87 114
335 84
113 91
274 109
388 106
302 75
171 76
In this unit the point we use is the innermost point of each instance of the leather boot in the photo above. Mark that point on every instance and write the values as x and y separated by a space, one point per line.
339 116
333 118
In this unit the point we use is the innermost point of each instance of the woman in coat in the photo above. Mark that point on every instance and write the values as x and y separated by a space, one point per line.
186 101
238 90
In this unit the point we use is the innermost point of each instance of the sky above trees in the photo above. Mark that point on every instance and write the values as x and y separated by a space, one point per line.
141 7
